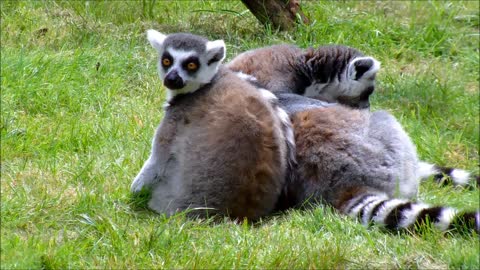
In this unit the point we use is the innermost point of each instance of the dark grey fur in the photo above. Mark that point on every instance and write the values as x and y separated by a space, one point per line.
186 42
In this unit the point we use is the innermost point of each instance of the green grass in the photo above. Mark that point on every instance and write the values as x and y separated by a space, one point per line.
73 137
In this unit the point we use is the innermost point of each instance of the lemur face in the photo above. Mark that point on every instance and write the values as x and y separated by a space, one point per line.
178 68
187 62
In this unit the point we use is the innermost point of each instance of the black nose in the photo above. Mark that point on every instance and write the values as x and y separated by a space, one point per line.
173 80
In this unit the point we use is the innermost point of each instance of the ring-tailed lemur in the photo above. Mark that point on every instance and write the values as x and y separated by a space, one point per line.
222 146
330 73
226 147
363 164
334 74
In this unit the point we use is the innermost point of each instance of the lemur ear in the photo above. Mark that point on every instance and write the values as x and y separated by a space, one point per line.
363 68
215 51
156 39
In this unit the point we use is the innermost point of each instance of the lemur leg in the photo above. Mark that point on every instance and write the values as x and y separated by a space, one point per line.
157 165
149 174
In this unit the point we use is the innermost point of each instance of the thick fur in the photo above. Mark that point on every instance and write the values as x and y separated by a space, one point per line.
223 146
339 148
227 148
330 73
360 162
220 148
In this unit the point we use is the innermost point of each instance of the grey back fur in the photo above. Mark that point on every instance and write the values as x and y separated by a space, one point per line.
365 165
339 148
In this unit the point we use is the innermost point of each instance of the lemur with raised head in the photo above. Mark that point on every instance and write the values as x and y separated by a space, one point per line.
222 146
330 73
333 74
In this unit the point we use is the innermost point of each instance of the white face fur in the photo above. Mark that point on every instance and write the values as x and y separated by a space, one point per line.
184 70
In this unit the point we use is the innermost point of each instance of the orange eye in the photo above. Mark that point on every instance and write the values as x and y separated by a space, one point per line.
166 62
192 66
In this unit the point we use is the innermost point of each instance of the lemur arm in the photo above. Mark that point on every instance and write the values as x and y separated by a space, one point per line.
154 169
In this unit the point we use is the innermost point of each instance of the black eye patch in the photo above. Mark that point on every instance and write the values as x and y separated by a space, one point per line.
166 60
191 64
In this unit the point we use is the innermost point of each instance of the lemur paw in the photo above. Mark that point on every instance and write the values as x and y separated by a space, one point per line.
138 183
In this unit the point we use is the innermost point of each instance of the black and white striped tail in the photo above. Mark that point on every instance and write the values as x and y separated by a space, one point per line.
398 214
447 175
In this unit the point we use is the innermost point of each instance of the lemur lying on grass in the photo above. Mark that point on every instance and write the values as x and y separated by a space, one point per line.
226 147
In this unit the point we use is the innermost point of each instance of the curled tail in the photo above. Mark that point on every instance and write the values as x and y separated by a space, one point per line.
398 214
447 175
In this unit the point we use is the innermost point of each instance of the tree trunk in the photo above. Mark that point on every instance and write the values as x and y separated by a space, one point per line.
281 14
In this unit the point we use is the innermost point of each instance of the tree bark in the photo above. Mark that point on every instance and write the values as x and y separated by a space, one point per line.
281 14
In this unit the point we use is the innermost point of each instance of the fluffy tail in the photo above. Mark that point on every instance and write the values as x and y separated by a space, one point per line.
447 175
398 214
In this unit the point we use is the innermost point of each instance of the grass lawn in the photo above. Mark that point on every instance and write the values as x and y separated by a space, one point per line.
80 100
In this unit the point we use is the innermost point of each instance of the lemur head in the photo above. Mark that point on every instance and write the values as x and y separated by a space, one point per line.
341 74
187 62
